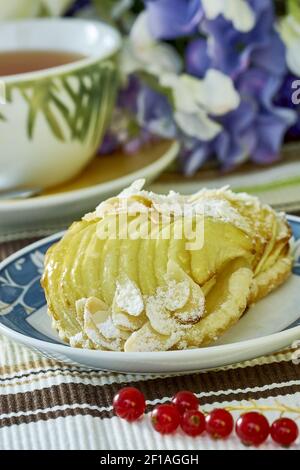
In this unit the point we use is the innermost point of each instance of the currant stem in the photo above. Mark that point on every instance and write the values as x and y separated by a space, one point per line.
255 407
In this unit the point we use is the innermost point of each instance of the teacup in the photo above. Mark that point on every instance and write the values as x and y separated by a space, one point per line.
52 121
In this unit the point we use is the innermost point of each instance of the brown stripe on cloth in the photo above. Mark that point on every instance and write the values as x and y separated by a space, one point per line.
85 409
229 385
33 418
42 366
26 366
11 247
51 367
58 369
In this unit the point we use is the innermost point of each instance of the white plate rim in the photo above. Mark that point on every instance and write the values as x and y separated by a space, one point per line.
83 194
267 344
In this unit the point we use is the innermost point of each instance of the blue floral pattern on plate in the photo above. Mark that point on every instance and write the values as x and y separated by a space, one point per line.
21 294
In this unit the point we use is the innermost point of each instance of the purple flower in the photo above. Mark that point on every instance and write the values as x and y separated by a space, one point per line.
126 110
109 145
254 60
127 98
169 19
155 113
232 51
135 144
271 122
139 105
77 6
194 154
260 138
197 57
255 129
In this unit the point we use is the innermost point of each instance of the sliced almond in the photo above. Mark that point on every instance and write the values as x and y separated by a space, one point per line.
110 331
147 339
177 295
194 308
128 298
126 322
160 318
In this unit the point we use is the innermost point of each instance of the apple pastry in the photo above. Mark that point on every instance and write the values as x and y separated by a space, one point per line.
147 272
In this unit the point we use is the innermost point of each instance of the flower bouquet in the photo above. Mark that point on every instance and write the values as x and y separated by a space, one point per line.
218 75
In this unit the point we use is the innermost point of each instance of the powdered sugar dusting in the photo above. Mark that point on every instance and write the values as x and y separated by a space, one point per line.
177 295
128 297
108 329
174 308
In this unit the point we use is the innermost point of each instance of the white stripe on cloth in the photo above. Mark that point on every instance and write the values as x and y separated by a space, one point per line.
24 384
200 395
88 433
109 378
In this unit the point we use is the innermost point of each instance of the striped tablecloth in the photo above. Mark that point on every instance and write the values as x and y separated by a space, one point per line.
48 405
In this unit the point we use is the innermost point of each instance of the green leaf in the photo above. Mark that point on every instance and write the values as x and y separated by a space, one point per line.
52 121
64 111
69 89
294 9
32 114
85 116
37 103
79 109
104 9
2 117
99 104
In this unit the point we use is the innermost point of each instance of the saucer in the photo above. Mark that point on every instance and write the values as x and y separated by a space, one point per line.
104 177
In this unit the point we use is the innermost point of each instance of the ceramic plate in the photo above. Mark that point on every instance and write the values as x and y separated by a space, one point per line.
272 324
105 176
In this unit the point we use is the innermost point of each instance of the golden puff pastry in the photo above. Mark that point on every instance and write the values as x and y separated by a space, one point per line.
165 288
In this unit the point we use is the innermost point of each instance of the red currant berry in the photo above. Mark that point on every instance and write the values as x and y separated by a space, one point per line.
165 419
185 401
219 423
193 422
284 431
129 403
252 428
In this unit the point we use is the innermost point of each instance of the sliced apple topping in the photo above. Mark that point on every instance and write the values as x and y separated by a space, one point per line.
120 281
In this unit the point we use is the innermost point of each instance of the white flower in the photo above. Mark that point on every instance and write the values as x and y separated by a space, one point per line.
289 29
197 125
238 12
143 52
15 9
194 100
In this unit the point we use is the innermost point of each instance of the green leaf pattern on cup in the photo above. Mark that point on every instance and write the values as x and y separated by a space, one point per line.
75 105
